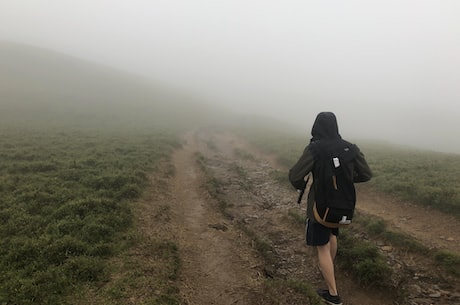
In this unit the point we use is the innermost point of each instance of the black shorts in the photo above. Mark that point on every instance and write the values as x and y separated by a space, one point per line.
318 235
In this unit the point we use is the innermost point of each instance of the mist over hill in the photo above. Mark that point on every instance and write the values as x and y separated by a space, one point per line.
47 88
39 86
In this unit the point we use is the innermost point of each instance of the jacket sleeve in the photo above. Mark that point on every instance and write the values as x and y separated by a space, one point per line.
362 172
303 166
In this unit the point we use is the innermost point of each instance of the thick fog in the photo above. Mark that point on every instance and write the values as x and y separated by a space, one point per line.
388 69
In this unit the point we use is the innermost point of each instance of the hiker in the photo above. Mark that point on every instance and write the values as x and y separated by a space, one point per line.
325 130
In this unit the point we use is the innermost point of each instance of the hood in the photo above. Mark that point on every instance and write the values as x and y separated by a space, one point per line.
325 127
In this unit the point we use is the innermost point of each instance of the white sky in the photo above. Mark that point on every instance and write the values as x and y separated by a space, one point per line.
388 69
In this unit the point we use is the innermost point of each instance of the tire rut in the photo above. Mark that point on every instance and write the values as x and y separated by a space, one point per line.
212 272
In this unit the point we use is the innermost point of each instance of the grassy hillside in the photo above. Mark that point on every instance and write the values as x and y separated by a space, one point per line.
40 86
77 144
65 206
424 177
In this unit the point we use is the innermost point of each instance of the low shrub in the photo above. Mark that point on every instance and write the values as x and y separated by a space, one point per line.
449 260
364 261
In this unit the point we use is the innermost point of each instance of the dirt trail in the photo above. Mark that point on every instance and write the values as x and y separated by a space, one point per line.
219 262
265 208
432 228
212 272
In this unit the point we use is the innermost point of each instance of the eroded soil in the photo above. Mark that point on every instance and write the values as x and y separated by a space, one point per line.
220 264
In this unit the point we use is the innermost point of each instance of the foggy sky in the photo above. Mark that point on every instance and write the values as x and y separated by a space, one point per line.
388 69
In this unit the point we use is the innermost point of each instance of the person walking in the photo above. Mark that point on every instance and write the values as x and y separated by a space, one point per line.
324 239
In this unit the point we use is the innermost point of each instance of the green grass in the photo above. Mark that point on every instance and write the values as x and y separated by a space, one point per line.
364 261
262 246
244 155
213 185
423 177
280 177
279 290
65 206
449 260
288 291
377 228
243 180
144 274
298 219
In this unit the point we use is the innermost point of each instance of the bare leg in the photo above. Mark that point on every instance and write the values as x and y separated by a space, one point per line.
333 243
326 264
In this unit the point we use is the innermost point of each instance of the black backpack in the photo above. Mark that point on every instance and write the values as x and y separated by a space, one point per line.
335 196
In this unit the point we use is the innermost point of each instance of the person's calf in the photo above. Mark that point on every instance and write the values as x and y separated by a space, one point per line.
327 267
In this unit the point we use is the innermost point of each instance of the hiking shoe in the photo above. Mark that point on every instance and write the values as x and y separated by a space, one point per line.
328 298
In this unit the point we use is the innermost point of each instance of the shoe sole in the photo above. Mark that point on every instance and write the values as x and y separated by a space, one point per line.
330 303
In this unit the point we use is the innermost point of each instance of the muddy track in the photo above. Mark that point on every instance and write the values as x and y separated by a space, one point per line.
220 264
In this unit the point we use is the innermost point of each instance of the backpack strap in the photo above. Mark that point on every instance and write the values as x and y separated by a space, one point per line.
322 220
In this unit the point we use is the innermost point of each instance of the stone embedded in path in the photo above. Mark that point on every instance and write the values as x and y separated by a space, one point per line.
435 295
218 226
421 301
414 289
387 248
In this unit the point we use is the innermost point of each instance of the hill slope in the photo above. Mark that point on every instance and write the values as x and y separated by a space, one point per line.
42 86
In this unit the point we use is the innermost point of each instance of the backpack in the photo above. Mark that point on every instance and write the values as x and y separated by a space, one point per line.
335 195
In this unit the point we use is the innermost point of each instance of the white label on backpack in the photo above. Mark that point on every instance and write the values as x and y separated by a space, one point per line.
336 162
345 221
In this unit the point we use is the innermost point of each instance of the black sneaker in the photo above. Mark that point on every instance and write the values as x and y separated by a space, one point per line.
328 298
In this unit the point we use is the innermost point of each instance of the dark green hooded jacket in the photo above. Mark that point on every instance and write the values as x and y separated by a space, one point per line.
325 128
